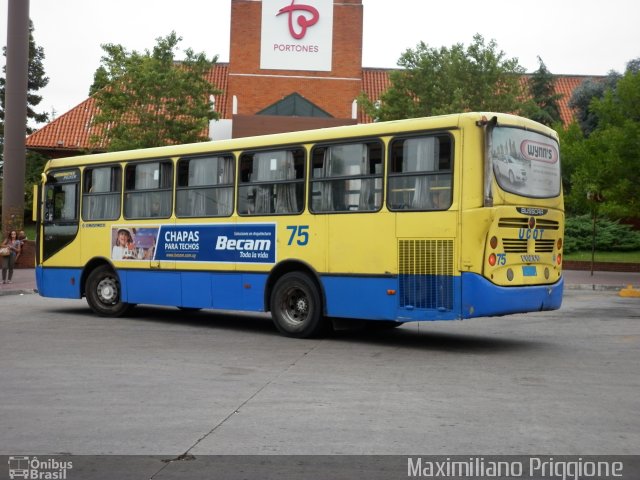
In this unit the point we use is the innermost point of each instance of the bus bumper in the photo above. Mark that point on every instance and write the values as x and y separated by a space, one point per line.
481 298
58 282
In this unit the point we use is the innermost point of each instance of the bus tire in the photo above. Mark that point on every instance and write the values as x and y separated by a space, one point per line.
103 293
296 306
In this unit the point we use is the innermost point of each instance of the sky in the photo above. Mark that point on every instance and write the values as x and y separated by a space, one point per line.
578 37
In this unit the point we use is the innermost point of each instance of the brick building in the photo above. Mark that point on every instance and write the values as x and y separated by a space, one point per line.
293 65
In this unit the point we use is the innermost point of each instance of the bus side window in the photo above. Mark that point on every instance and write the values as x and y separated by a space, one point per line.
101 193
148 190
420 173
61 204
347 177
205 186
271 182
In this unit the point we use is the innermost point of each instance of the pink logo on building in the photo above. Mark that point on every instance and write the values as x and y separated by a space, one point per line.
306 16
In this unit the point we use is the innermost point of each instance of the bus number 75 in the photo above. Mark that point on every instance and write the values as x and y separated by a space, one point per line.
299 231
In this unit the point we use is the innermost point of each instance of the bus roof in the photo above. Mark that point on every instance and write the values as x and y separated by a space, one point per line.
301 137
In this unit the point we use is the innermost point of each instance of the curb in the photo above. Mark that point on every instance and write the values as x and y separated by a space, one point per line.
593 287
18 292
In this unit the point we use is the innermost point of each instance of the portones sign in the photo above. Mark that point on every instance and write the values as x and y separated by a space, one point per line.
297 35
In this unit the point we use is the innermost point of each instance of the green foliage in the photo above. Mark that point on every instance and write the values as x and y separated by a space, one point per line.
149 99
582 97
544 96
607 161
33 168
448 80
36 80
610 235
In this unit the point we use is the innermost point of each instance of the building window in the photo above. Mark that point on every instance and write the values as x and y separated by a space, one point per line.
205 187
347 178
148 190
420 173
271 182
101 193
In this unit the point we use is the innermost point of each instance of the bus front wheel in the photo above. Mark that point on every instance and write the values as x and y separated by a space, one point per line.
103 293
296 306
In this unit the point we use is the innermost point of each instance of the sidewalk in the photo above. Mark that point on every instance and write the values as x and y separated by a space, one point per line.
24 281
582 279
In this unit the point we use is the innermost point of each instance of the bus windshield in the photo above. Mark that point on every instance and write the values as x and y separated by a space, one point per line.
525 163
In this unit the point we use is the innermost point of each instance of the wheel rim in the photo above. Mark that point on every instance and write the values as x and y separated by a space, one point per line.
107 291
295 306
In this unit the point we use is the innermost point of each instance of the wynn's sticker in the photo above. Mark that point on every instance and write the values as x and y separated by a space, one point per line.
539 151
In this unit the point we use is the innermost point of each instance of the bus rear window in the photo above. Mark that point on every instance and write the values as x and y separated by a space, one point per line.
525 163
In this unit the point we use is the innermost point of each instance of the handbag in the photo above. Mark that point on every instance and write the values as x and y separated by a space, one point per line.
5 251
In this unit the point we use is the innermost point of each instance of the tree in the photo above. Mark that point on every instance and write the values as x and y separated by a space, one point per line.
544 96
36 81
607 161
448 80
149 99
584 94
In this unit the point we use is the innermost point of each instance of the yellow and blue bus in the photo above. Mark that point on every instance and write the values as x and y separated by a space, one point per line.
438 218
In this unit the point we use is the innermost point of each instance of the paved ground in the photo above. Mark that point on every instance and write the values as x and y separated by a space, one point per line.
165 383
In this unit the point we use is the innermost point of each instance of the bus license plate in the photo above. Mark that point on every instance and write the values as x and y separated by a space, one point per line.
529 271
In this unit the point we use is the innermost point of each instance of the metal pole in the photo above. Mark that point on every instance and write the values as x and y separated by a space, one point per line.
593 235
15 127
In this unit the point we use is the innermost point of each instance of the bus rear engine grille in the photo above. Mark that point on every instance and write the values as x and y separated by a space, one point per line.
425 270
545 224
523 222
514 245
544 246
520 222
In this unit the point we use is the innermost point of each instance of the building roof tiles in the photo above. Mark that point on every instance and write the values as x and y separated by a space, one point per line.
73 131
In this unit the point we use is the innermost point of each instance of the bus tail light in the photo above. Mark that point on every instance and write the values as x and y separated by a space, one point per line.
559 244
493 242
492 259
559 259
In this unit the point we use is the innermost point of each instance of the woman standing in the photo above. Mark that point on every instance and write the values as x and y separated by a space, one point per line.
11 248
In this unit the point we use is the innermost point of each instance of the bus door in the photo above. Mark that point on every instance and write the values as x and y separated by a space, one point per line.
60 216
59 245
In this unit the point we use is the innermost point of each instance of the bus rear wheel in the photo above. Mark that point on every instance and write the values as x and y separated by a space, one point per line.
296 306
103 293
